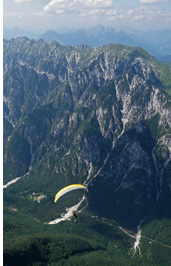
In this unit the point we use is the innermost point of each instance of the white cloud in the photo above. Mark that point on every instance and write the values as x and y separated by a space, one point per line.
97 3
130 12
98 10
154 1
78 6
105 10
141 14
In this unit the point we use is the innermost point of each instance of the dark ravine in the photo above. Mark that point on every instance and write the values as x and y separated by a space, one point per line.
98 116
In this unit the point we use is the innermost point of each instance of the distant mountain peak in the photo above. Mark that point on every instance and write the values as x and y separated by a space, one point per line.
96 28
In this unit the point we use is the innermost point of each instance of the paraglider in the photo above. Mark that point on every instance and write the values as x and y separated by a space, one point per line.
68 189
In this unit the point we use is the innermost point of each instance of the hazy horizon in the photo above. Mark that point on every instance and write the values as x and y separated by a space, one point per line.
64 15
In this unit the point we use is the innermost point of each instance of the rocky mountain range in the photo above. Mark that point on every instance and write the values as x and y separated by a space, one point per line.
97 116
155 42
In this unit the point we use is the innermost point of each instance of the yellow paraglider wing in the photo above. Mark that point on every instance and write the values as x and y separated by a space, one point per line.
68 189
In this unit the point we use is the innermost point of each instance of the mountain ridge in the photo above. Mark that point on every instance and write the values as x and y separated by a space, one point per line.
156 42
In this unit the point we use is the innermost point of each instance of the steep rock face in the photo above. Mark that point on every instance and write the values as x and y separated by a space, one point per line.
96 116
129 181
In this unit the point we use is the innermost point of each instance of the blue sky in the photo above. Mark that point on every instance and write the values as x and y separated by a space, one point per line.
53 14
